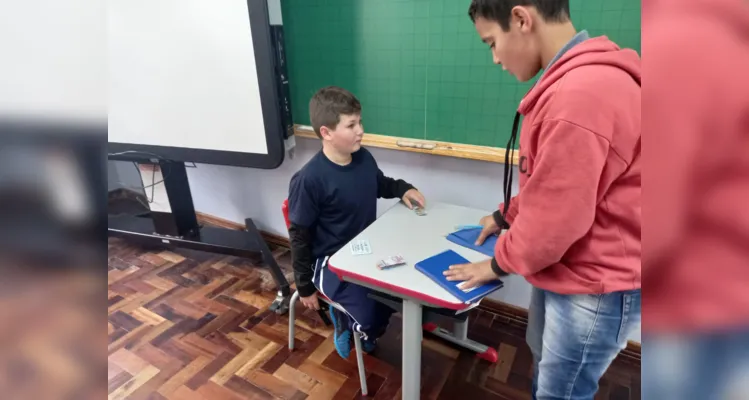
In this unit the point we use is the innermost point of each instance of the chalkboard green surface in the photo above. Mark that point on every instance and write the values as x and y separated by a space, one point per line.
418 66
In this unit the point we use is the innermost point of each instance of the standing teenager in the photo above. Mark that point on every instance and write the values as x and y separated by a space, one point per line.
573 230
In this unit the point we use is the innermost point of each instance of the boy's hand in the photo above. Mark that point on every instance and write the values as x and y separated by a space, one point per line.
490 228
474 275
311 302
414 196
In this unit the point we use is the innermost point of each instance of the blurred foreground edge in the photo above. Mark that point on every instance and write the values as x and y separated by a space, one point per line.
52 192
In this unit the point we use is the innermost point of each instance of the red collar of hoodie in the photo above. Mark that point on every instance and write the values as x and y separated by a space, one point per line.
575 224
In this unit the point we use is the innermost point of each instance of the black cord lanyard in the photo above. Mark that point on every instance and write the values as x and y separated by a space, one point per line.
509 155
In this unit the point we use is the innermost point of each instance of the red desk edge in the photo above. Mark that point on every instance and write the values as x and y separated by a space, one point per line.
396 289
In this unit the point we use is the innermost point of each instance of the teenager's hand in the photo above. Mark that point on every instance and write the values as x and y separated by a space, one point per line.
474 275
311 302
414 196
490 228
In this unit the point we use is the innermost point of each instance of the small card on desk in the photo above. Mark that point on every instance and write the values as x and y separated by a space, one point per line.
435 266
360 247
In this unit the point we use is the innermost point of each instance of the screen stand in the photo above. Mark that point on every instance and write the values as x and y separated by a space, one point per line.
180 228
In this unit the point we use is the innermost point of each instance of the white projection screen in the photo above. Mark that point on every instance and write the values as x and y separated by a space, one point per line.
193 80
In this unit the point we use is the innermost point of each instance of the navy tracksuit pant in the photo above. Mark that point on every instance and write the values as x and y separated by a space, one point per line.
365 315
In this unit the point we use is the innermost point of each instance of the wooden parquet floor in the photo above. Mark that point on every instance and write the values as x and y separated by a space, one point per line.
187 325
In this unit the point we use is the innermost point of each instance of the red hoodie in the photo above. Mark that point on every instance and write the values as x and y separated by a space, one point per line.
696 108
575 223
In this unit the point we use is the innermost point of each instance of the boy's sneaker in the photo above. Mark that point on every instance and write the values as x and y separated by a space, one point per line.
368 346
341 334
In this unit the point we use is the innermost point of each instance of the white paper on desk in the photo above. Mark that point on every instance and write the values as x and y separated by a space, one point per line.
360 247
472 306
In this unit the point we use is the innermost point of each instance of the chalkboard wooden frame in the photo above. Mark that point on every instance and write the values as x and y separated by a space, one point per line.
465 151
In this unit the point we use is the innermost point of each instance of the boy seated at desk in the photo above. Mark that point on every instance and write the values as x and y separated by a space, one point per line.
331 200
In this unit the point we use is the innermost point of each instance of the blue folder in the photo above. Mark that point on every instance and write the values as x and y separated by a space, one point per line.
467 238
434 266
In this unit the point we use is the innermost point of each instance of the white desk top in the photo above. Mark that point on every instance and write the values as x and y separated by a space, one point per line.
401 232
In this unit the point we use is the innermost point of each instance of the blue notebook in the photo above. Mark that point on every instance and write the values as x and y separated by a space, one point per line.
467 238
434 266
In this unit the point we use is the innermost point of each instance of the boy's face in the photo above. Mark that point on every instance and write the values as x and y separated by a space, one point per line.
347 135
516 50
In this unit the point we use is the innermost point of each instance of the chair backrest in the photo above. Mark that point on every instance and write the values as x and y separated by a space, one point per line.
285 210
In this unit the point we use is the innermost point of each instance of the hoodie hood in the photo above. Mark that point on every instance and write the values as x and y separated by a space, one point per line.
595 51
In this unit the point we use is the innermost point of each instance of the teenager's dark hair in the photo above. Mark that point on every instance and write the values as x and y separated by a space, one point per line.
327 106
499 10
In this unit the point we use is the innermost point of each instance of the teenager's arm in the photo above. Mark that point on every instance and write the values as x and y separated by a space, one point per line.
558 202
389 188
303 213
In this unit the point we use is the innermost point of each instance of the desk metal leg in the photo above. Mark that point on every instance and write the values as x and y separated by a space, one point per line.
412 335
459 336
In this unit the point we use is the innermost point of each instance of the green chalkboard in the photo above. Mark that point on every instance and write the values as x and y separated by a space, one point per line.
418 66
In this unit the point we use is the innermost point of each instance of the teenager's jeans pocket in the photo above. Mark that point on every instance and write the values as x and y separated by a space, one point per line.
630 316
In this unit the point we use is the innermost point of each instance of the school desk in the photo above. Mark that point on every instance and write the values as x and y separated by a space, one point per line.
401 232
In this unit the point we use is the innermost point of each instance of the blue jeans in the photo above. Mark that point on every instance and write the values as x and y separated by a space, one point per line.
705 366
574 339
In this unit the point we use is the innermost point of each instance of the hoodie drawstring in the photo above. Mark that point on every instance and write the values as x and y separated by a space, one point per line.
509 155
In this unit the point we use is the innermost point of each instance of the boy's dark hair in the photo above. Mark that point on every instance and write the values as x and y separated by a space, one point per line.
499 10
327 106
